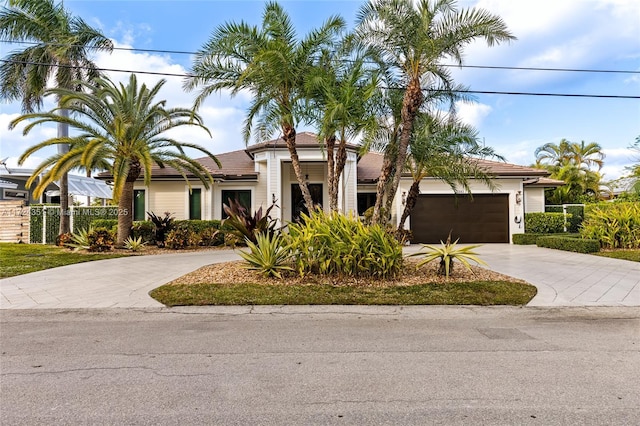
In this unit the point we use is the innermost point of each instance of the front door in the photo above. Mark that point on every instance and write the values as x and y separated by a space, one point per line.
297 201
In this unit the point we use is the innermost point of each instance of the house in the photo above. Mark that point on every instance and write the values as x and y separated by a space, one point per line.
262 175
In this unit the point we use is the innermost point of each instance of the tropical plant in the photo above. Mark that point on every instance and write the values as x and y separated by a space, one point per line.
340 90
337 244
447 253
162 226
572 163
123 125
413 38
244 225
134 244
181 237
268 255
272 64
615 225
100 239
58 46
80 239
445 149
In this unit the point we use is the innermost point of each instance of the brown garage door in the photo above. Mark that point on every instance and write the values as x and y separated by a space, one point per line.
483 219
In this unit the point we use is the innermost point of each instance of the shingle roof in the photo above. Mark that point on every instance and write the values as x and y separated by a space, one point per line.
303 140
370 164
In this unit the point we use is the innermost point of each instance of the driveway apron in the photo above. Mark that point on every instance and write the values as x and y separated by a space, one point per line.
562 278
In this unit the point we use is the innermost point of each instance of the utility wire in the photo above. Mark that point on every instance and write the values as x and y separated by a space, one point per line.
489 67
480 92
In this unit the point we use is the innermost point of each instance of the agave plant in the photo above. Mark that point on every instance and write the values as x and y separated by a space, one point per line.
80 239
447 253
134 244
267 255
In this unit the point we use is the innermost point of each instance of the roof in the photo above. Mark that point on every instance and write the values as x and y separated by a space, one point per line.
370 164
78 185
544 182
303 140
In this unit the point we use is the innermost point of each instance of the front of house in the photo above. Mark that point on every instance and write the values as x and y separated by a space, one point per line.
262 175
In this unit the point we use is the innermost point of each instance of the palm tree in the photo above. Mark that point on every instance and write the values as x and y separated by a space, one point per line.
124 126
414 37
272 64
572 163
59 48
445 150
340 89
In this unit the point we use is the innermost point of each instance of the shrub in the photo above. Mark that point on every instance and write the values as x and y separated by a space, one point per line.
145 230
614 225
105 223
80 240
244 225
101 239
163 225
268 256
181 238
209 237
525 239
544 223
447 253
335 244
569 244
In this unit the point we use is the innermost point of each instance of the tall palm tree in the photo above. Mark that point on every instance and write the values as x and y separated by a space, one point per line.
444 149
272 64
124 126
415 36
60 45
340 89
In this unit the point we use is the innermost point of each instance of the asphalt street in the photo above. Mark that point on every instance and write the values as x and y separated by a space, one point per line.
321 365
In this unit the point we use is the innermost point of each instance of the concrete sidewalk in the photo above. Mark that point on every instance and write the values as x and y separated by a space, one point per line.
562 278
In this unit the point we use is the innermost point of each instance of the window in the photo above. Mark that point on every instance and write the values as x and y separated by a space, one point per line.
138 204
242 195
195 204
15 194
365 201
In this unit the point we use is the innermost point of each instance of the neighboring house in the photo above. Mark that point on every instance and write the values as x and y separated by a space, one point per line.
13 187
262 175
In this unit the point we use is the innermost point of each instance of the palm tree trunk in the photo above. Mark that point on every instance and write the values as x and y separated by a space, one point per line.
289 136
65 218
413 99
341 160
410 203
125 205
331 172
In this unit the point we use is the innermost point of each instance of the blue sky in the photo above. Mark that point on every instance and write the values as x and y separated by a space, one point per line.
575 34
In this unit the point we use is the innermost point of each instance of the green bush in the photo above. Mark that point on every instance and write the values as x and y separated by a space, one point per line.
335 244
569 244
615 225
544 223
100 239
268 256
105 223
145 230
85 216
526 239
181 237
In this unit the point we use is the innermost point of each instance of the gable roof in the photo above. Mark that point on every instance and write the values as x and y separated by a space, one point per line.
303 140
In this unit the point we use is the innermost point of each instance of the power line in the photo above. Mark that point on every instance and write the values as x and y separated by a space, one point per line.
489 67
479 92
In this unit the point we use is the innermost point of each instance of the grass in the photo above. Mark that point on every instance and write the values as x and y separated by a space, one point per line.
632 255
467 293
18 259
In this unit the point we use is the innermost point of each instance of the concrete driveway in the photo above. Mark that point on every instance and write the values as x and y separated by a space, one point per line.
562 278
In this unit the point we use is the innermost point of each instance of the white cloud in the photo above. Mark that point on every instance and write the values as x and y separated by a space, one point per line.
472 114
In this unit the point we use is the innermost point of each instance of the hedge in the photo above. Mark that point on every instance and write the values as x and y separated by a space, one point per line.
544 223
575 215
526 239
569 244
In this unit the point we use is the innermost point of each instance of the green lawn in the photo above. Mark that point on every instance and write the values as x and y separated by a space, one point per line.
18 259
469 293
632 255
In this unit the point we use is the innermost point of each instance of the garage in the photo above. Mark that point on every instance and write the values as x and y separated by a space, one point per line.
481 219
